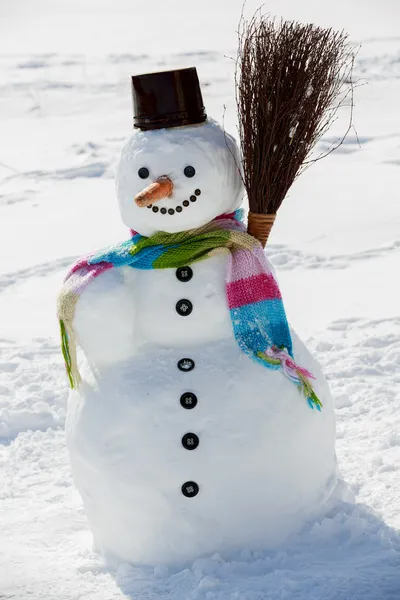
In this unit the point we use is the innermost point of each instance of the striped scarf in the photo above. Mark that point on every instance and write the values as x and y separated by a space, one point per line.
255 303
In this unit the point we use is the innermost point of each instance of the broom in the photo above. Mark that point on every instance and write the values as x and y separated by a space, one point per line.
288 76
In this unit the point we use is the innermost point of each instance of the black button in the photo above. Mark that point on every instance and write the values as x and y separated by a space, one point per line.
184 307
197 192
188 400
190 489
184 273
186 364
190 441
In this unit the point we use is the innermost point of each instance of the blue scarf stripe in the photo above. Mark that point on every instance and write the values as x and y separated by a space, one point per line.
264 323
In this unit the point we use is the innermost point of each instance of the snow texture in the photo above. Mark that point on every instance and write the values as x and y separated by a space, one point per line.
265 462
65 111
207 148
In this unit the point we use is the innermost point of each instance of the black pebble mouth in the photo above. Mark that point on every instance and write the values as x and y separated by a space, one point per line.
178 209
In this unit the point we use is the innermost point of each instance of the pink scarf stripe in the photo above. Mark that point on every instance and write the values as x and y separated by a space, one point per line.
226 216
83 264
80 279
243 263
252 289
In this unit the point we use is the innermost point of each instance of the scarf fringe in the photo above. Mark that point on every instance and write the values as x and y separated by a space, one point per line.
280 358
252 291
68 347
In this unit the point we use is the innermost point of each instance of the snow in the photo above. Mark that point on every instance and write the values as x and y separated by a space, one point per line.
125 424
207 148
65 110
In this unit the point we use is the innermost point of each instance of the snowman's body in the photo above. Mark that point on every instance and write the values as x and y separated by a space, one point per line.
263 462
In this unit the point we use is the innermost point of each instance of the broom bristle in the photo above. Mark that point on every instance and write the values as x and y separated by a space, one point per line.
287 79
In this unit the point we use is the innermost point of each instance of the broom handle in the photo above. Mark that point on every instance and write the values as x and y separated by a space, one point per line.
260 225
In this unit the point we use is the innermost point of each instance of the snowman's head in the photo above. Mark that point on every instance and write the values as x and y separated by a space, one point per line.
196 170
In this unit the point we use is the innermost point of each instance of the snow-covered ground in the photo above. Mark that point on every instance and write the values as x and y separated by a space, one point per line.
65 108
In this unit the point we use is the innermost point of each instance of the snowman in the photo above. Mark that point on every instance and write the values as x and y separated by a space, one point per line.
185 437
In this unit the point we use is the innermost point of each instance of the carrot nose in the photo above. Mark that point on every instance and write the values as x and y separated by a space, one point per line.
161 188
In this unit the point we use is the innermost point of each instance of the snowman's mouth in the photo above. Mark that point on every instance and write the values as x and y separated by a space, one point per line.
177 209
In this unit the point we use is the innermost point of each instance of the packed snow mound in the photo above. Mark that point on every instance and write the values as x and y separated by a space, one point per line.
265 462
338 277
207 148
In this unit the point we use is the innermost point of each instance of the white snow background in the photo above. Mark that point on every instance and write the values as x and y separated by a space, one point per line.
65 108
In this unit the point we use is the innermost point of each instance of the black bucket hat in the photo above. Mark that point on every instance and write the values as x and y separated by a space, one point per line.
167 99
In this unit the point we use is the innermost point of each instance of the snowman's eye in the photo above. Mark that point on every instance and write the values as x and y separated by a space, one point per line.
189 171
143 173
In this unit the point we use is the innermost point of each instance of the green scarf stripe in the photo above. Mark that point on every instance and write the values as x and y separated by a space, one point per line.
193 250
258 321
66 353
